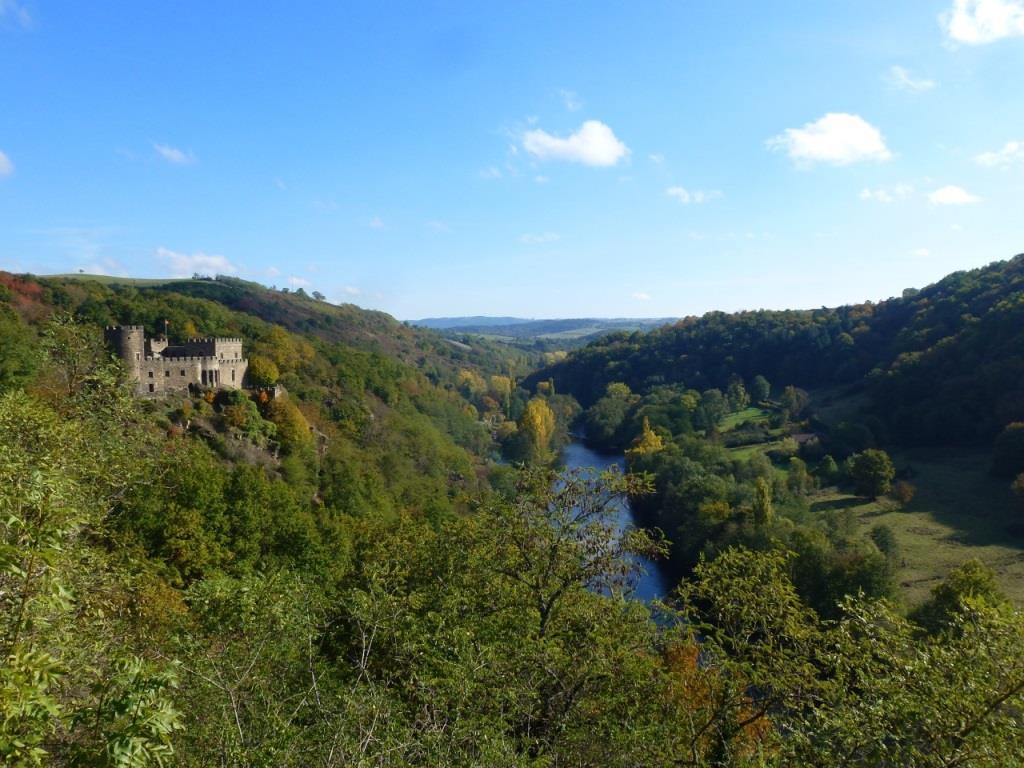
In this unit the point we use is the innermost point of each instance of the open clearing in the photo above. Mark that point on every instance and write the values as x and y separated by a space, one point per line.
959 512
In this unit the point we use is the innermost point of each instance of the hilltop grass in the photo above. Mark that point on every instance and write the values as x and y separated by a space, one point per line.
959 512
112 280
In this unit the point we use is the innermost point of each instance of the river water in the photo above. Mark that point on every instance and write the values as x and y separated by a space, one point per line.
651 583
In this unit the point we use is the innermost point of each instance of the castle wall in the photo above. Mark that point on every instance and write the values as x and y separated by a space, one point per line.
161 375
157 368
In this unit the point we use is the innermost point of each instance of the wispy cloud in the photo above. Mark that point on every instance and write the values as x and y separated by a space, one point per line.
952 195
836 138
887 194
656 158
921 253
1012 152
900 78
571 100
186 264
594 143
694 197
6 166
541 239
641 296
438 226
10 9
351 290
977 22
376 223
174 155
298 282
491 172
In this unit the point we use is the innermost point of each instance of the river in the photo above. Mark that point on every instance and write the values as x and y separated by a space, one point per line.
651 583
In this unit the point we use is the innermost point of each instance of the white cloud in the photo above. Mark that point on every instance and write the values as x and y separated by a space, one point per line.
1012 152
185 264
272 271
541 179
952 195
887 194
977 22
298 282
922 252
656 158
696 197
641 296
593 143
571 100
351 290
174 155
541 239
6 166
900 78
837 138
15 11
490 172
376 223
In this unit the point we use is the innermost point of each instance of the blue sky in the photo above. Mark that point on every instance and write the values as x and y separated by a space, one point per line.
548 159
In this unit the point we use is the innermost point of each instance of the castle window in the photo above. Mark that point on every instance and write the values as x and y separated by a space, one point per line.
150 387
136 355
232 374
151 374
167 373
182 371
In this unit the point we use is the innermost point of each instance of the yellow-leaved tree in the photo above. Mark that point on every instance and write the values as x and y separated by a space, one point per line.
646 443
536 428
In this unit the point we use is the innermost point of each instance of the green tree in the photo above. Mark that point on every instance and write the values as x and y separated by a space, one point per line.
872 472
713 408
828 470
971 582
794 401
760 389
763 508
262 371
737 395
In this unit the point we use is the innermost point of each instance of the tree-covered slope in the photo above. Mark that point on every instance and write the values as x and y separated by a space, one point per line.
942 363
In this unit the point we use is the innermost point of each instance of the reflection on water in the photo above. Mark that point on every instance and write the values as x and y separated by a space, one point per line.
652 583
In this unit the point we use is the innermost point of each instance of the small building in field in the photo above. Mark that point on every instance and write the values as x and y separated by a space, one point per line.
159 367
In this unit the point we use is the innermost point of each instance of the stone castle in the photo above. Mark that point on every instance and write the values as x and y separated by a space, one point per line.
158 367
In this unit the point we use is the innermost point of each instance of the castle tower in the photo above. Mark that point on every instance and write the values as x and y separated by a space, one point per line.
128 341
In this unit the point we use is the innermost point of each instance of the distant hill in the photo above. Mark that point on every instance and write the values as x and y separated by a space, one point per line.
566 330
475 321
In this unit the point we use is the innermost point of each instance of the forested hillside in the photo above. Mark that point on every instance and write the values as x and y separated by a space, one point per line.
941 364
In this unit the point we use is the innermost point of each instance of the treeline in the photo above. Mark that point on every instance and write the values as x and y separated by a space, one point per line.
940 365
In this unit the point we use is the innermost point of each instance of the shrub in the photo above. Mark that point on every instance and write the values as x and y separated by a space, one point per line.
903 492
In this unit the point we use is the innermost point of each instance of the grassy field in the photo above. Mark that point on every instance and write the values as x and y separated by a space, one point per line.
959 512
733 420
109 280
